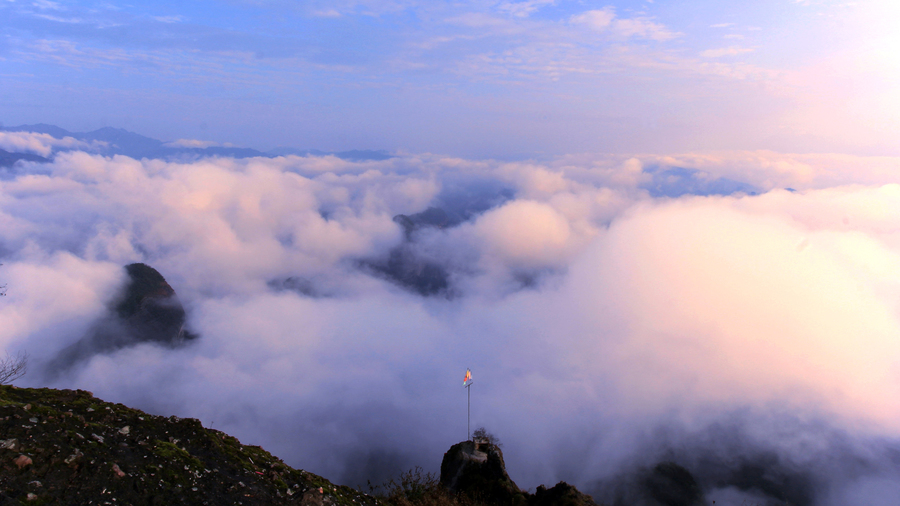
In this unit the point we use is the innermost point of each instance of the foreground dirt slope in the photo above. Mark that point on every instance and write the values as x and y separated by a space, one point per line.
68 447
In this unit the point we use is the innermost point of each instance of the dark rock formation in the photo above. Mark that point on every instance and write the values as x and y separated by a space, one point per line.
434 217
404 264
768 475
146 310
665 484
405 268
475 471
296 284
150 308
562 494
672 485
68 447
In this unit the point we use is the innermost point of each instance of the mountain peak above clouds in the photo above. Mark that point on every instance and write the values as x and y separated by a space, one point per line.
147 310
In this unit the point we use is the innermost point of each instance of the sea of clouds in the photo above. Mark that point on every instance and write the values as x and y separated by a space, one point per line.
615 311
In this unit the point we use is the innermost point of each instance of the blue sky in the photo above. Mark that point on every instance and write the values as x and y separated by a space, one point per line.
475 79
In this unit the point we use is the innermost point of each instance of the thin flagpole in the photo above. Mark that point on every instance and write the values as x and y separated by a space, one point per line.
467 382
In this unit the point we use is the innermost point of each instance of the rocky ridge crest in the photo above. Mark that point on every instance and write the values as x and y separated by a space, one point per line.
68 447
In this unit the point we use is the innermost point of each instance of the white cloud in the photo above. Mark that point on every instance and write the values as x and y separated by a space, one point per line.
645 28
599 19
762 295
41 144
525 234
523 8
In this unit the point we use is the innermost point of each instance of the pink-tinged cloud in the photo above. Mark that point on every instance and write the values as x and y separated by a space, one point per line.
594 315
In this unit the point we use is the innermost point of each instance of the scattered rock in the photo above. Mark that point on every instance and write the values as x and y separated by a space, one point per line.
31 497
75 456
314 497
98 438
23 460
27 407
197 465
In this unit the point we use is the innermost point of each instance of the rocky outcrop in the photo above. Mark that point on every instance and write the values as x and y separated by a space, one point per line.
476 471
562 494
150 308
68 447
146 310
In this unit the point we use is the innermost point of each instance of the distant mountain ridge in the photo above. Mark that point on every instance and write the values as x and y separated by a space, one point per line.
110 141
8 159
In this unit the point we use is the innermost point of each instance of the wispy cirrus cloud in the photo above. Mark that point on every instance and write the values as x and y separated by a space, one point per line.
599 19
169 19
523 8
725 51
603 20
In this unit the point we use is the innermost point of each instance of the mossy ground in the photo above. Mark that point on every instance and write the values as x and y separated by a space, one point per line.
86 451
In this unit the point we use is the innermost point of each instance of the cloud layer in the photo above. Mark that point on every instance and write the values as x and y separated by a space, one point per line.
606 327
38 143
